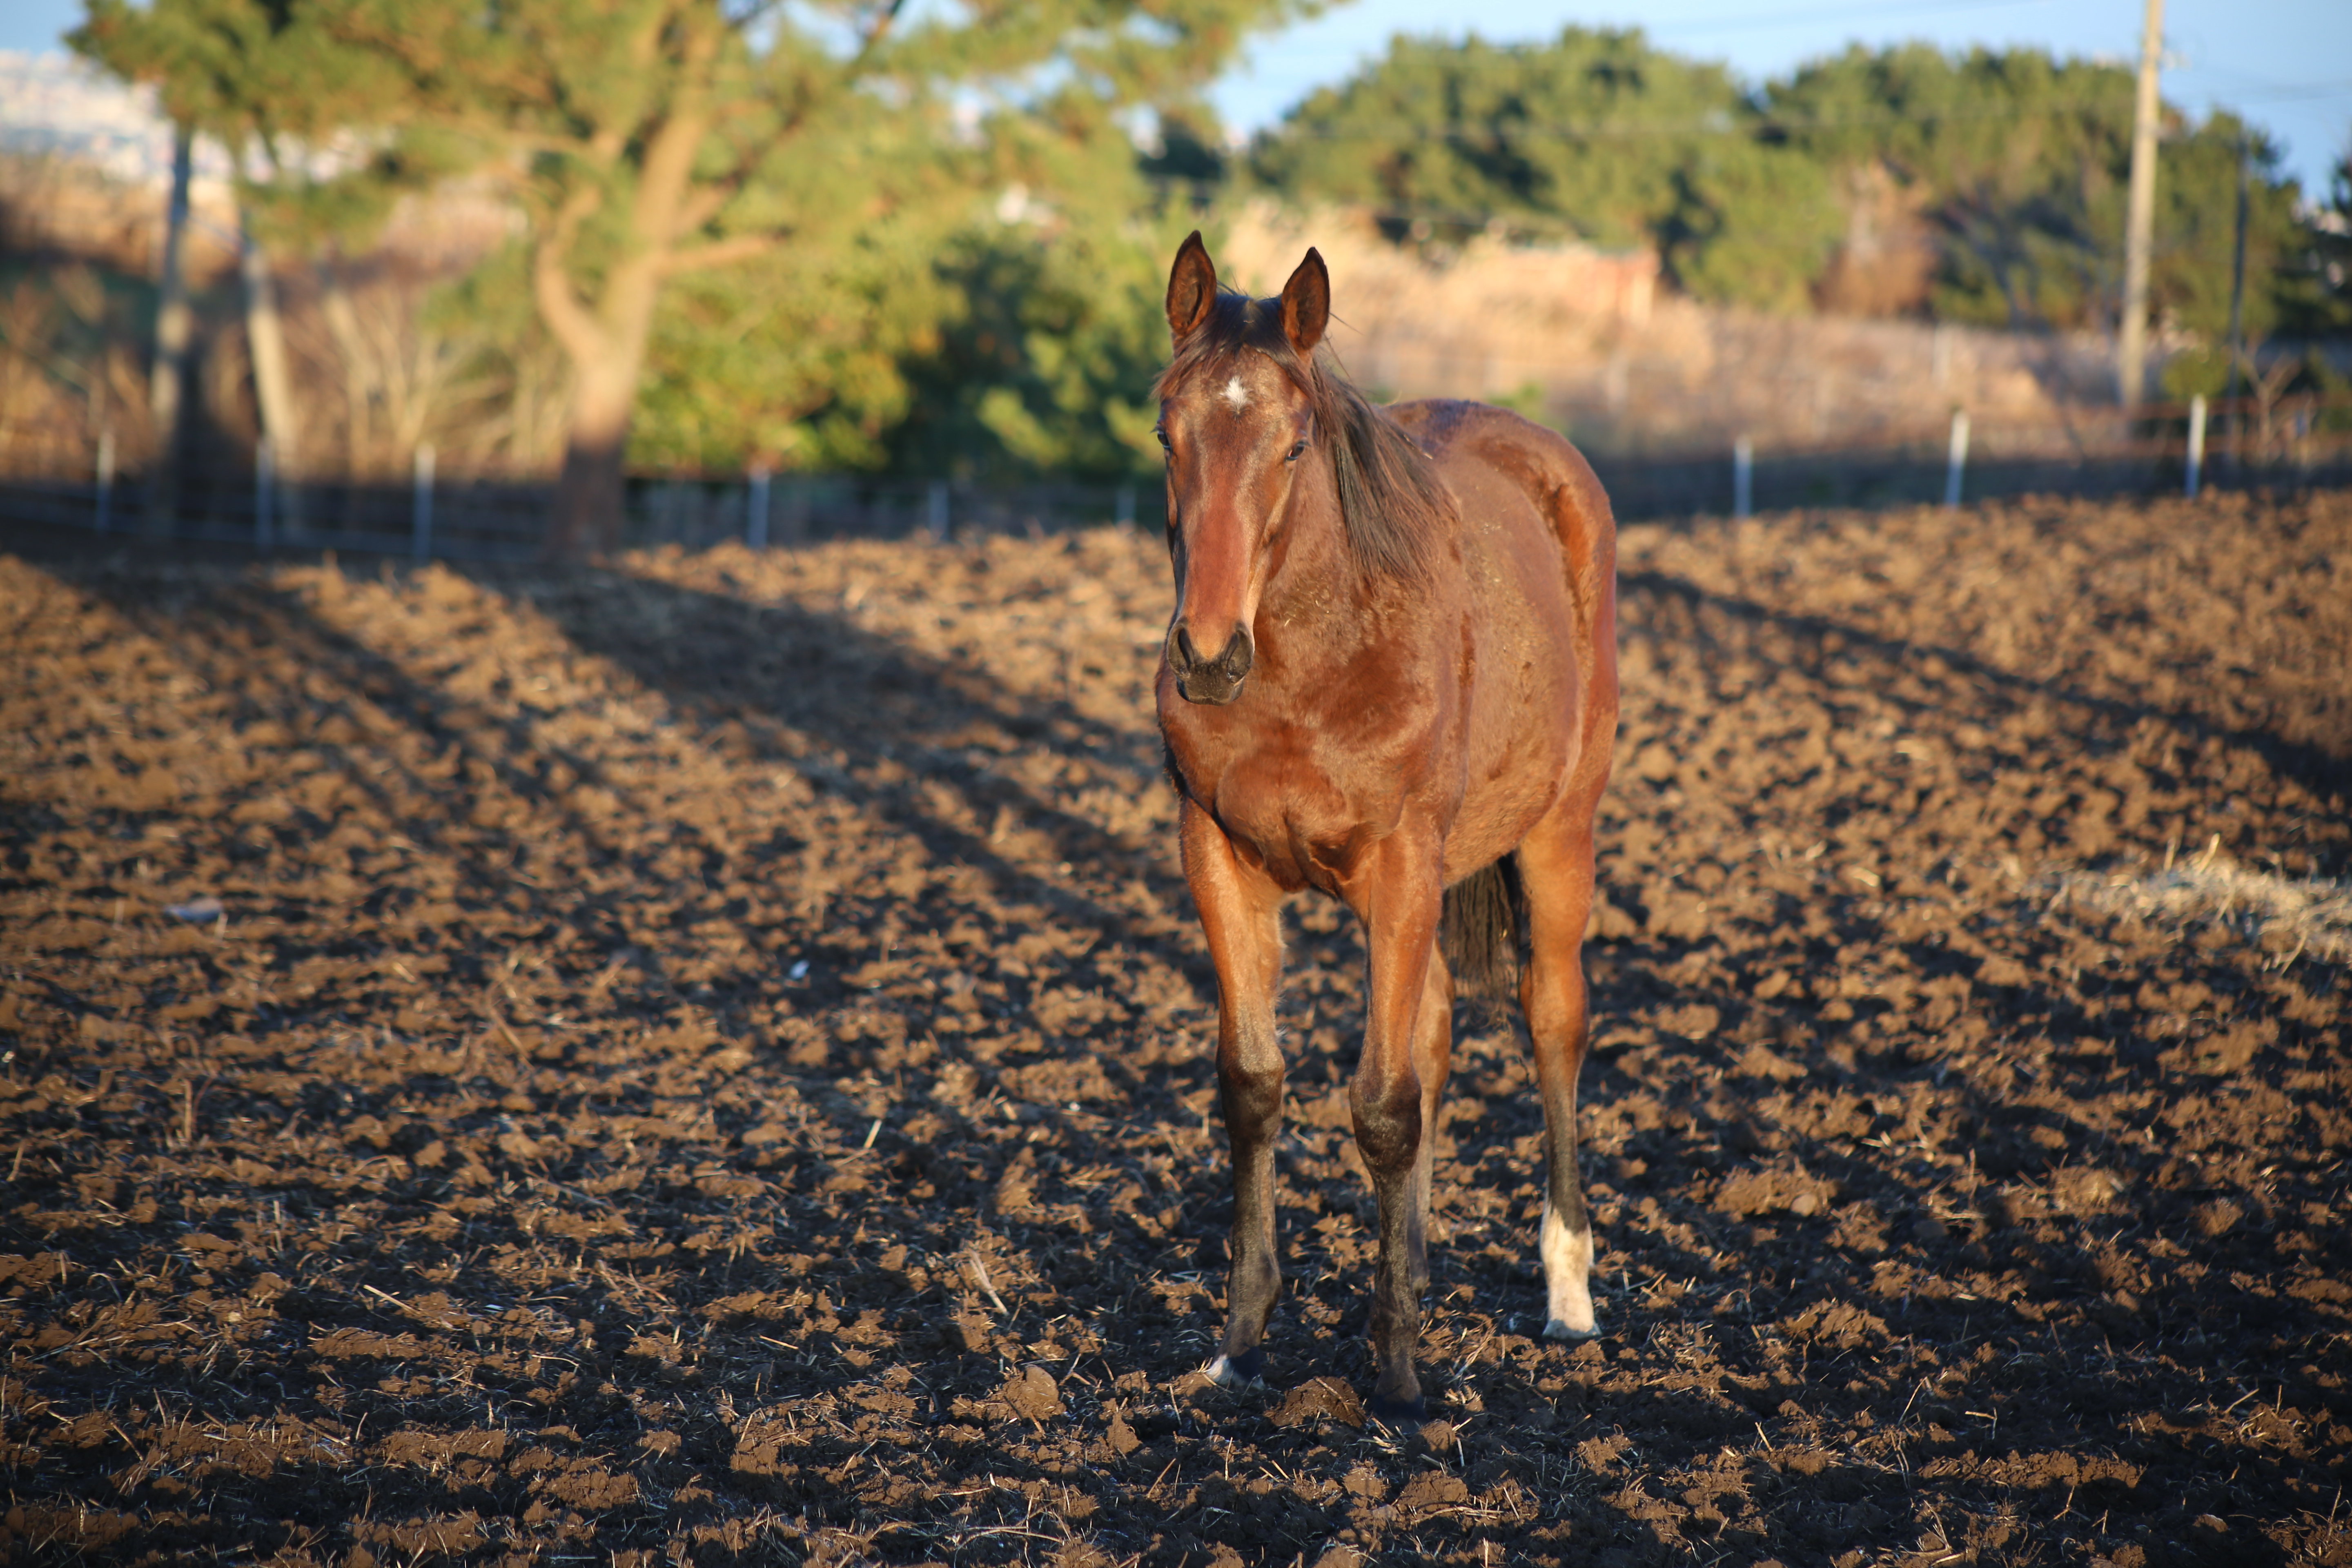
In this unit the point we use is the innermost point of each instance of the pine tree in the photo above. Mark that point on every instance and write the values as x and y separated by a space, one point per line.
650 142
260 83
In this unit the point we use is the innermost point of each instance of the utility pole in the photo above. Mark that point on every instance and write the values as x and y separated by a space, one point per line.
2131 348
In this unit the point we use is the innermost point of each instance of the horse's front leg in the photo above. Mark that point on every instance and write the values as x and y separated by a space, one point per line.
1397 894
1240 915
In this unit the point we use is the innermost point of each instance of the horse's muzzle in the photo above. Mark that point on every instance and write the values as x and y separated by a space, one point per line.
1212 680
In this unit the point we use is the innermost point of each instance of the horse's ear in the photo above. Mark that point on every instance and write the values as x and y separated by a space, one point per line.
1307 303
1192 286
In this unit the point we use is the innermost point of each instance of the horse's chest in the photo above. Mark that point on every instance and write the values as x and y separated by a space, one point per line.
1306 772
1301 825
1283 803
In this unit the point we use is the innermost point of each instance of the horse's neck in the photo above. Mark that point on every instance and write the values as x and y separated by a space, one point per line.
1317 601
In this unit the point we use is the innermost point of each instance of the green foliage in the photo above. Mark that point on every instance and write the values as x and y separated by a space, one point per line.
1187 155
1754 225
984 305
1596 135
2015 163
1584 134
2196 230
2314 283
793 359
987 306
2020 164
275 84
796 362
1046 364
930 242
242 70
2197 372
736 213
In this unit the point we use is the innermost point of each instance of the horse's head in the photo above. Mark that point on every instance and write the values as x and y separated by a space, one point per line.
1237 418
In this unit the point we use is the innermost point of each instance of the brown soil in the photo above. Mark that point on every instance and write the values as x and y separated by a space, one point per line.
704 1061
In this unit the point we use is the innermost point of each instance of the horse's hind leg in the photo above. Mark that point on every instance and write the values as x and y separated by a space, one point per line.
1432 1059
1556 868
1240 916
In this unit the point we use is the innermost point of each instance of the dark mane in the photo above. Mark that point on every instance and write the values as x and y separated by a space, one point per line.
1391 501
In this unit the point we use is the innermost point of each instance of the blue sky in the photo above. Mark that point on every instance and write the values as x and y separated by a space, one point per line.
2286 65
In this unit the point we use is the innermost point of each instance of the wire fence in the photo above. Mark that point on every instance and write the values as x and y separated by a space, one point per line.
438 517
2176 448
2193 446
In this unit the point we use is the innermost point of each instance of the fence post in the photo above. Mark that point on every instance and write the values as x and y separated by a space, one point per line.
105 479
2196 445
755 511
420 508
1124 514
265 487
1743 477
1956 461
938 521
796 510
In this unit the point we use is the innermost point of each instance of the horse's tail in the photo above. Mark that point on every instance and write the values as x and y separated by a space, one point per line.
1481 925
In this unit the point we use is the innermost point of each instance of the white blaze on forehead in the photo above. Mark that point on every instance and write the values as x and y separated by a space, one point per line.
1236 393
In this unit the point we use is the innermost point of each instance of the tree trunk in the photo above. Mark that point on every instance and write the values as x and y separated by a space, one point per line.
607 350
273 382
605 338
358 365
590 493
173 327
359 374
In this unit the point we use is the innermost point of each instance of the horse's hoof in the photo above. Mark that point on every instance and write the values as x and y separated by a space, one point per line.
1245 1371
1561 1329
1398 1415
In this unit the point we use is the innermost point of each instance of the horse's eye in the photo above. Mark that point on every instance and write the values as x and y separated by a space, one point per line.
1162 434
1295 453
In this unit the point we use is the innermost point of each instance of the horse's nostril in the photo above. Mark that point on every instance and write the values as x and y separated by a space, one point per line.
1199 674
1238 656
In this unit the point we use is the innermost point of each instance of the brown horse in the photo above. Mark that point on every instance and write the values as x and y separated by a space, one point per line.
1392 677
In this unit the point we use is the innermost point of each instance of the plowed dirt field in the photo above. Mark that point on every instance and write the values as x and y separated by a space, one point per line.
706 1059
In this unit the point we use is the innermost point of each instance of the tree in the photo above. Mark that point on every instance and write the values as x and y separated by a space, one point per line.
1044 363
1754 224
1596 133
2017 162
2319 287
2020 161
1584 133
271 87
648 143
2001 174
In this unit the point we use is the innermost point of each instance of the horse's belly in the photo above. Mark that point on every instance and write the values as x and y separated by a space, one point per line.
1521 735
1493 819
